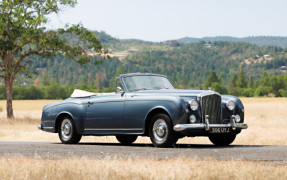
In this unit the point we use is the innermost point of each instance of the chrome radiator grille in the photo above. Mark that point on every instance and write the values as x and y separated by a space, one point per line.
211 106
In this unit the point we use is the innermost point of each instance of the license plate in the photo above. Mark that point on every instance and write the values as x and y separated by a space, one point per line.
219 130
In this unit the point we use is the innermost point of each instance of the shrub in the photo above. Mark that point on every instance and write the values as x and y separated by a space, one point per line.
247 92
220 88
262 91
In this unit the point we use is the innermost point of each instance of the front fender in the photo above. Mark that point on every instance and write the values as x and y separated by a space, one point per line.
239 108
77 112
175 108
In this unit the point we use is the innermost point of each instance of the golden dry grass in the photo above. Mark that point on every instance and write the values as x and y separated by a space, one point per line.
266 117
118 168
27 105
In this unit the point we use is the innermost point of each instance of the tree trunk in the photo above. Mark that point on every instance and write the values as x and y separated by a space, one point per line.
9 90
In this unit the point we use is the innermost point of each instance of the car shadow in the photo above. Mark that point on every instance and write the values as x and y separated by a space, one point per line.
181 146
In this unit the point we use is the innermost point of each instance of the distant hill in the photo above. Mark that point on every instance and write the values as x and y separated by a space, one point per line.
187 62
116 44
257 40
186 65
105 38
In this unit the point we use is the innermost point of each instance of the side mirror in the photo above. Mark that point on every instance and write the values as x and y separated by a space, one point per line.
119 90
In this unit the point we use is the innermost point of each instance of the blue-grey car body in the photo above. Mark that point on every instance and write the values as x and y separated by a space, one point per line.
130 112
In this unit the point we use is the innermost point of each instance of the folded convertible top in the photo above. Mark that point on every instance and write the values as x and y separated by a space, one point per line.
82 93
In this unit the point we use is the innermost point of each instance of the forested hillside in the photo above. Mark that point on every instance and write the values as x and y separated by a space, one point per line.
187 65
257 40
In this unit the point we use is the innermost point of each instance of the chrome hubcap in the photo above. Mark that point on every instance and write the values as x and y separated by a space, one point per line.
160 130
66 129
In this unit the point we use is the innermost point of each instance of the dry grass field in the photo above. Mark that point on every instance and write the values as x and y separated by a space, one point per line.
118 168
266 117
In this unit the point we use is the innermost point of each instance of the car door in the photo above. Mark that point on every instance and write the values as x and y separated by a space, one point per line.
105 114
136 109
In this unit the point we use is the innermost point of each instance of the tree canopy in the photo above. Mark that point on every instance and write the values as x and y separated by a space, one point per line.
23 33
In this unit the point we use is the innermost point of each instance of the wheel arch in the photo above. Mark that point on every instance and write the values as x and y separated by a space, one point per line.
153 112
60 117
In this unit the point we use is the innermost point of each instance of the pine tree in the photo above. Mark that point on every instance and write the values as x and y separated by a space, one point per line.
233 89
45 80
264 80
220 78
212 78
233 82
241 82
250 83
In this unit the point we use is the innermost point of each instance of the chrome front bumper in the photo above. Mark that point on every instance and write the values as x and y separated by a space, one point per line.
207 126
48 129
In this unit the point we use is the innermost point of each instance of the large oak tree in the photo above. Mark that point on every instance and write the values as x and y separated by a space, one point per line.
23 33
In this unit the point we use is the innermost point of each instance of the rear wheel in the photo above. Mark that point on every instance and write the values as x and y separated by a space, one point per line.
161 132
67 132
126 139
222 139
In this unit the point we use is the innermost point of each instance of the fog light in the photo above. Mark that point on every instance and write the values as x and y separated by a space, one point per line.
237 118
192 118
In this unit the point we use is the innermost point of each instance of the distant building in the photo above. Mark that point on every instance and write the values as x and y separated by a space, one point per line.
266 56
283 68
256 56
207 45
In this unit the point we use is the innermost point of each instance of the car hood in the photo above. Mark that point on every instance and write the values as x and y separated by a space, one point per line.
175 92
183 93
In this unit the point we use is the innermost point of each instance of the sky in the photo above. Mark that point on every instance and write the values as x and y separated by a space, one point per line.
160 20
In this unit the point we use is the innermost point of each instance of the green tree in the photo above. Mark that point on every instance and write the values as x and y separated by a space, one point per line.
218 87
262 91
45 80
23 33
241 81
233 89
212 78
233 82
265 80
250 83
220 78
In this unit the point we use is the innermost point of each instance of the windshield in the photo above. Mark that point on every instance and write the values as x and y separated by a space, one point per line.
134 83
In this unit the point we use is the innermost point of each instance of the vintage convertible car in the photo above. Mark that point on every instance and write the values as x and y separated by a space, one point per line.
146 104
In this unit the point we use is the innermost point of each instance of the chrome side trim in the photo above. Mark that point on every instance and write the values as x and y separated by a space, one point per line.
113 129
181 127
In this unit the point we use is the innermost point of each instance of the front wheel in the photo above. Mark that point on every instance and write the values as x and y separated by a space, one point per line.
161 132
67 132
126 139
222 139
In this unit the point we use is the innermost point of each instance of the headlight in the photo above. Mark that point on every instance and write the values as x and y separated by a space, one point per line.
237 118
230 105
193 104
